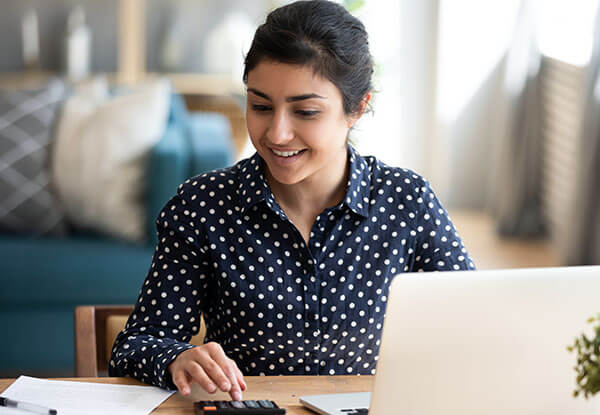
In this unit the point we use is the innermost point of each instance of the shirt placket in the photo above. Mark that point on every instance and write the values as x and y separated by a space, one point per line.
315 254
312 332
310 288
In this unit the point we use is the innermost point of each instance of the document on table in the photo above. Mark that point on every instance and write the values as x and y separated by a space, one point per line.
84 398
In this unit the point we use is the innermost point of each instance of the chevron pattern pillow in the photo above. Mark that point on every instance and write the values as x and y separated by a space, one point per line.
27 120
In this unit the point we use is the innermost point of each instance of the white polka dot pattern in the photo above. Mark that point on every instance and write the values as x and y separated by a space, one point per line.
275 305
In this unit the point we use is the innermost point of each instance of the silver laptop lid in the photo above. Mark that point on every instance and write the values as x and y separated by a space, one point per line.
486 342
336 403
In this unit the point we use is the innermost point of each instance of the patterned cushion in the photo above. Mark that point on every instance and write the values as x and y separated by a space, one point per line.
27 119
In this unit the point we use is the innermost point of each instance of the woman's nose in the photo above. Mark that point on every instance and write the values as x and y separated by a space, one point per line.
280 131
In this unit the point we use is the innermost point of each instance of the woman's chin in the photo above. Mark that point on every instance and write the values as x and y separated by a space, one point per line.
285 177
284 171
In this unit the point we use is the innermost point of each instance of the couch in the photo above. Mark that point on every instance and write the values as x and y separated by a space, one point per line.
43 279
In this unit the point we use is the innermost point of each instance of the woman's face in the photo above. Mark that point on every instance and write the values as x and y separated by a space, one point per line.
296 122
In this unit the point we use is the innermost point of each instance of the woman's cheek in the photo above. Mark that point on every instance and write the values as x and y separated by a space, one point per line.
254 127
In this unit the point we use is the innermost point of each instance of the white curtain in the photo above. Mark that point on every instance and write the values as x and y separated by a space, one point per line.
583 241
402 39
516 198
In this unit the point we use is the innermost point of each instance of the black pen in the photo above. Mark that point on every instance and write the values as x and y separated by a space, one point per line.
25 406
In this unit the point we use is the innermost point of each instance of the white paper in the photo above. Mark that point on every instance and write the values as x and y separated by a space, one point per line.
83 398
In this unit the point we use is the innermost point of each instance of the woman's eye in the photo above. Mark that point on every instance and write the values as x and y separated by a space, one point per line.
258 107
306 113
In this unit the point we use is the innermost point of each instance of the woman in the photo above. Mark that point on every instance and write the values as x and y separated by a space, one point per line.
289 254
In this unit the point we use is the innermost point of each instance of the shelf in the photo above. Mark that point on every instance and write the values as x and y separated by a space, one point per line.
184 83
204 84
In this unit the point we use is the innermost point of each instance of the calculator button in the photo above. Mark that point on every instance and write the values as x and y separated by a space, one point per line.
237 404
266 404
252 404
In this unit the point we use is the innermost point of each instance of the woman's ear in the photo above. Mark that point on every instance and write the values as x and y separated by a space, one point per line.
362 106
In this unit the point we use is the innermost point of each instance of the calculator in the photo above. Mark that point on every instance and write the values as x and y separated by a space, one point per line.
260 407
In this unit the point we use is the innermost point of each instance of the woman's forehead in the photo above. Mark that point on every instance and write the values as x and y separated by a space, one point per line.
277 79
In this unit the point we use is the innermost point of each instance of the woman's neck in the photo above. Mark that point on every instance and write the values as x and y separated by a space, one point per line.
323 189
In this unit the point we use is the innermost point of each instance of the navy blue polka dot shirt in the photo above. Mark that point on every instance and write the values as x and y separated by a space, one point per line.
276 305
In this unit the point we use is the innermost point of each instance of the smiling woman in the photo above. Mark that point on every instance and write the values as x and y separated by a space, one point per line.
297 124
288 255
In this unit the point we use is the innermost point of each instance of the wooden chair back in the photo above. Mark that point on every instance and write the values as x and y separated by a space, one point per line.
96 328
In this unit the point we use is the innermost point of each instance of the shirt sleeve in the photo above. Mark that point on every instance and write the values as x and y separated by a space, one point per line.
168 310
438 245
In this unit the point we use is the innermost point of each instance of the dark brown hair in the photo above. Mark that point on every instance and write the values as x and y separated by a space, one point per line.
320 34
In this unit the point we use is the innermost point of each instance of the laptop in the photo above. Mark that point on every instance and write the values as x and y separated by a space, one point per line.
479 342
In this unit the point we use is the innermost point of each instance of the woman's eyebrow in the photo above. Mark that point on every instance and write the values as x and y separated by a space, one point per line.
302 97
287 99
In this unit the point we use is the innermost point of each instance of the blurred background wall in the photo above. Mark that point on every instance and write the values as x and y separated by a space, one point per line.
102 17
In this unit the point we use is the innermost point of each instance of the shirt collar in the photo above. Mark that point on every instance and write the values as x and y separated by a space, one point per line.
253 187
359 184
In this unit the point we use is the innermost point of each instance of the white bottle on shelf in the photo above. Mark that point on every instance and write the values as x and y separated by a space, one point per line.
31 40
77 46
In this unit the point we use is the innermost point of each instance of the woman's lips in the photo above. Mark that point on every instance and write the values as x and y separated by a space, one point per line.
285 161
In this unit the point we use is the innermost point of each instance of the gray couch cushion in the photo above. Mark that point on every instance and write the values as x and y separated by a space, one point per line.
27 120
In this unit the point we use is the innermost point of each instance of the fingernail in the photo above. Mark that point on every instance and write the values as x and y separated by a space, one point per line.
237 396
211 387
185 390
225 386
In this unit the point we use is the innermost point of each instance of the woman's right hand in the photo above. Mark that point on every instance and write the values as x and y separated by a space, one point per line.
209 366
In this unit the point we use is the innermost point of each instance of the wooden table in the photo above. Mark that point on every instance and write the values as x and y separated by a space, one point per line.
284 390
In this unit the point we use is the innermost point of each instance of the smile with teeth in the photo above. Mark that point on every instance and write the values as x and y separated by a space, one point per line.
286 153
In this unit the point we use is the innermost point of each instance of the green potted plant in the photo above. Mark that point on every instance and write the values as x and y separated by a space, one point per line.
588 361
